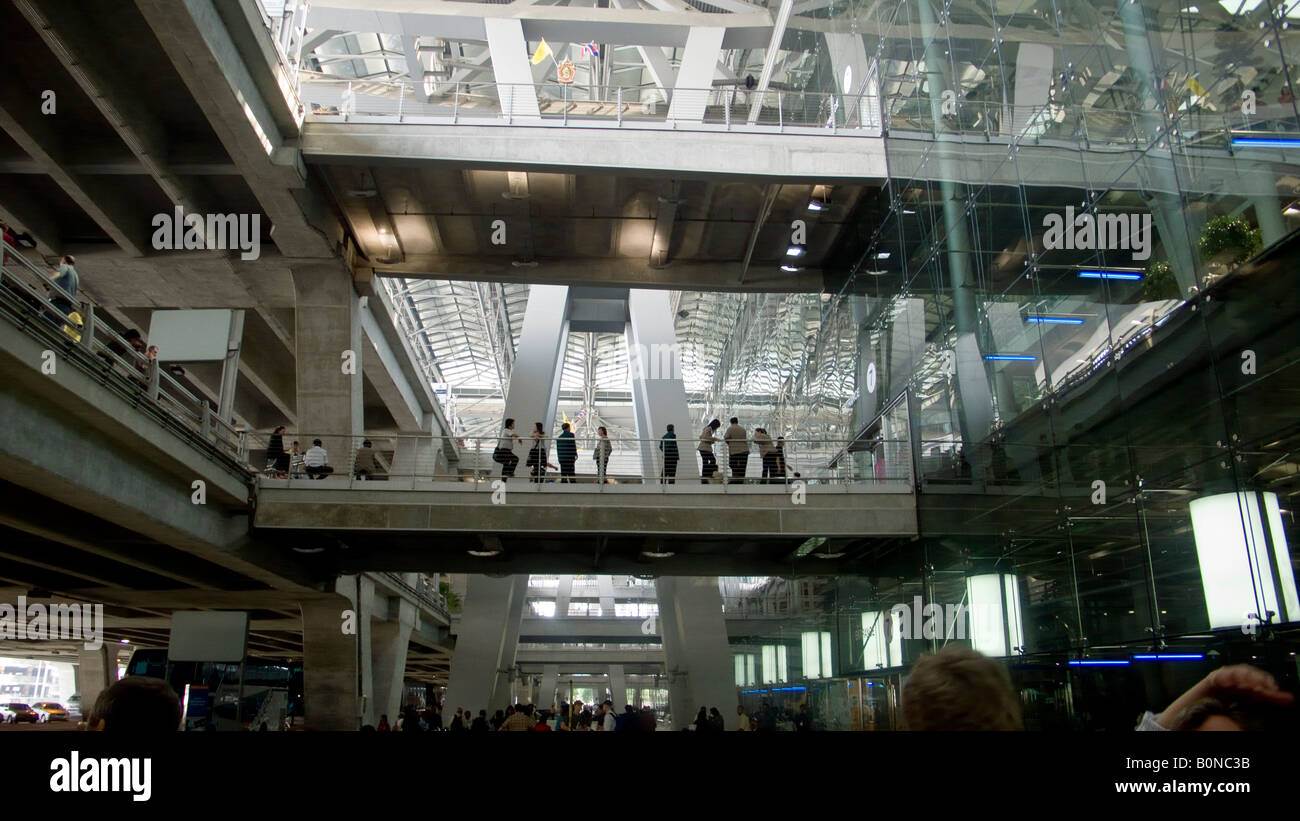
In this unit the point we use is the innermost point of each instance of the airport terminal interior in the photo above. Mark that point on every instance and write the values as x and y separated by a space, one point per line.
379 361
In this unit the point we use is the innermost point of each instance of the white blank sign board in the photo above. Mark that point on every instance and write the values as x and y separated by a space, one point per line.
191 336
203 635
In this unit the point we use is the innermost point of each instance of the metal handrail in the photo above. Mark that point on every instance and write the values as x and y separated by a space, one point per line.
576 104
104 351
814 461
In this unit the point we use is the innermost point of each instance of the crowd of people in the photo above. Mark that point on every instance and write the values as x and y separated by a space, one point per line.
956 689
774 466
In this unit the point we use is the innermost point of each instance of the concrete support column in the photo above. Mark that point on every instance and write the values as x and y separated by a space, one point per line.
562 595
417 456
486 641
389 640
658 392
329 664
96 672
535 378
550 679
327 326
698 655
695 76
618 687
512 67
605 589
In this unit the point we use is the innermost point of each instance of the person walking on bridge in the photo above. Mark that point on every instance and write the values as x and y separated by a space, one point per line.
668 444
708 462
737 450
601 454
505 451
566 451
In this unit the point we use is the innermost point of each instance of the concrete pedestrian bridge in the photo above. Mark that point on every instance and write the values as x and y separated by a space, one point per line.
679 529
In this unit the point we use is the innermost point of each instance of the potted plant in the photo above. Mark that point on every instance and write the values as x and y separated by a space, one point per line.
1159 281
1228 241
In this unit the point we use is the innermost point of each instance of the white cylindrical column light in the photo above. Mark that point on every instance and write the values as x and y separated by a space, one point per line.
996 625
882 637
1244 557
816 648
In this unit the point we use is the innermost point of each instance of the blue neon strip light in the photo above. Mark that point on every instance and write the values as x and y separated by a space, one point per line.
1169 657
1091 663
997 357
1055 320
789 689
1129 275
1266 142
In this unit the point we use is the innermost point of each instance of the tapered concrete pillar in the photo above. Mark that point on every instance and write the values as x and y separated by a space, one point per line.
329 666
658 392
562 594
389 640
511 67
618 687
698 656
547 695
535 378
327 342
418 456
96 672
486 641
694 84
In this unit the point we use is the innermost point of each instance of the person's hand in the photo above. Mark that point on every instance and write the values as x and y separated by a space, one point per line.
1237 680
1245 681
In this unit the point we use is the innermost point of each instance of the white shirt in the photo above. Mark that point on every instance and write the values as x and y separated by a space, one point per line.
507 440
315 457
609 724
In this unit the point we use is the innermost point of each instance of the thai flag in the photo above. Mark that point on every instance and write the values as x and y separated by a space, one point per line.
590 49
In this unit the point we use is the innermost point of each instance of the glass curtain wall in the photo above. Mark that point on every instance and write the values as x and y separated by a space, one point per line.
1079 276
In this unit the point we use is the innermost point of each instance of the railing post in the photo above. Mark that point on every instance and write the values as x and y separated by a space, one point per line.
620 106
242 452
565 106
780 113
205 422
726 109
455 106
401 98
88 327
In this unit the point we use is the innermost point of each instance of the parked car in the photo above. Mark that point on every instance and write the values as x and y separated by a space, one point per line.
21 712
5 714
74 705
51 711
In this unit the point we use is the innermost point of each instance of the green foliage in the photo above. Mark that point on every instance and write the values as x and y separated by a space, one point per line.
1159 281
453 600
1224 234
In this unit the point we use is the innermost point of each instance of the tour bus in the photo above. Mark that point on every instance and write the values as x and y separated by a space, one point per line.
271 690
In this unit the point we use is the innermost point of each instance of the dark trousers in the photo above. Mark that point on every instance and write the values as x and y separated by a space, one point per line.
319 472
508 463
566 471
738 461
769 468
670 471
710 466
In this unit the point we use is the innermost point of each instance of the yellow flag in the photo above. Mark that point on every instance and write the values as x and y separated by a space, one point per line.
1196 88
543 51
564 417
